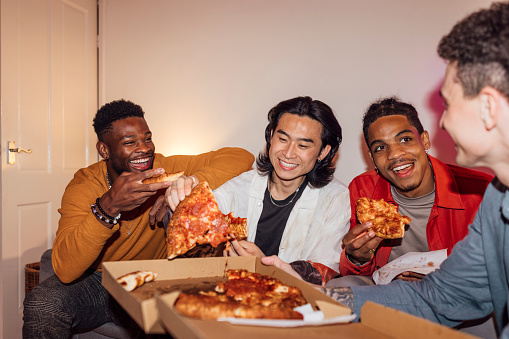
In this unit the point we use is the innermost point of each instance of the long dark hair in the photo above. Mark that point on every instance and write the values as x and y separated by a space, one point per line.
323 172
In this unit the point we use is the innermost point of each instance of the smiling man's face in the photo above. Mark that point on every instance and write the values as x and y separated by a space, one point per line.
296 145
462 119
130 147
399 153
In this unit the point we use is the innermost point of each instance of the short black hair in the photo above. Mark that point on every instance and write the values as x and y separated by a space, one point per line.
386 107
480 45
113 111
323 172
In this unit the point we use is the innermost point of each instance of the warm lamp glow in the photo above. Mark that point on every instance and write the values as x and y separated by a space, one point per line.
190 146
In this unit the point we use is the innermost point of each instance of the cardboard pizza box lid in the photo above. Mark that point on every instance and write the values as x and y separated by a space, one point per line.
377 322
400 324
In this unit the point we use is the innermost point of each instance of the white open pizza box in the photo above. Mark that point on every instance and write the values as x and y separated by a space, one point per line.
173 275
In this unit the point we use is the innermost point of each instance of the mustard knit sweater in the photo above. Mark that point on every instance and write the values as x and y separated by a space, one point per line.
82 242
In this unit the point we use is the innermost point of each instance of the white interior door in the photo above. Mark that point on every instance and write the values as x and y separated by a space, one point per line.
48 100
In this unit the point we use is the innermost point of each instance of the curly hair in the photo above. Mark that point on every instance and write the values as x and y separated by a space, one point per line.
113 111
323 171
480 46
390 106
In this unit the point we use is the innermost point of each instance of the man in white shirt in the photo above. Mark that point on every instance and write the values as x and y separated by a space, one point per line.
294 206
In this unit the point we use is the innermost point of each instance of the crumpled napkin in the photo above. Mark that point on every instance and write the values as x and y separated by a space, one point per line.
419 262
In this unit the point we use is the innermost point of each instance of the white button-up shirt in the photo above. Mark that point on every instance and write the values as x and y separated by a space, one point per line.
315 227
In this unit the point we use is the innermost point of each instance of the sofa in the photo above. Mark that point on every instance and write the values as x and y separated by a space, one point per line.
107 330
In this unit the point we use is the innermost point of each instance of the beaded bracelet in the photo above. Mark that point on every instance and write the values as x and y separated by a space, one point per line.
104 213
113 221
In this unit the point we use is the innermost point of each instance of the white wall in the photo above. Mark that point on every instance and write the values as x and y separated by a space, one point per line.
207 72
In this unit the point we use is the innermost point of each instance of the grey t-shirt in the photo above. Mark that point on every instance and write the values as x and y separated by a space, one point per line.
418 209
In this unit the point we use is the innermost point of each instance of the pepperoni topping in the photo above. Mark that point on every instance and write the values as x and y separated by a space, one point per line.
199 210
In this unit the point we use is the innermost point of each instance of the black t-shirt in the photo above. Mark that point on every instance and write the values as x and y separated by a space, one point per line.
273 221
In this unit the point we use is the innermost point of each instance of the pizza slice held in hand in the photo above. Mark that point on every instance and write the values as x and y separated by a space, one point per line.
386 222
197 220
163 177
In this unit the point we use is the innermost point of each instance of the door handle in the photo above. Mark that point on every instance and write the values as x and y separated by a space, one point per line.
13 150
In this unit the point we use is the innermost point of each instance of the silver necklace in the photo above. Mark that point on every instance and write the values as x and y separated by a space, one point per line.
124 221
288 203
129 228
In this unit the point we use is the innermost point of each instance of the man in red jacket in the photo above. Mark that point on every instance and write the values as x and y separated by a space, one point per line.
441 199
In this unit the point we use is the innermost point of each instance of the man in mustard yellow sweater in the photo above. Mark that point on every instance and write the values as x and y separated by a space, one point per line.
108 214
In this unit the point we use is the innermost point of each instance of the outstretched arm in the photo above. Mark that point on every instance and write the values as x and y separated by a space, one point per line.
82 235
342 294
215 167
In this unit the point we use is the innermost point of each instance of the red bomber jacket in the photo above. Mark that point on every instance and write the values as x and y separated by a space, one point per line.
458 193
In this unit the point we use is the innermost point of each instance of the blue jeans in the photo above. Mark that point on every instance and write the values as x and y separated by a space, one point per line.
53 308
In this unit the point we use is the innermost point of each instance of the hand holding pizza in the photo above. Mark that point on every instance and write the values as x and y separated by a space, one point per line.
360 243
378 220
244 248
160 209
179 189
128 191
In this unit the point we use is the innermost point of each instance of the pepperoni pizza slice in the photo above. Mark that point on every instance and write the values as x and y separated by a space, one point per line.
197 220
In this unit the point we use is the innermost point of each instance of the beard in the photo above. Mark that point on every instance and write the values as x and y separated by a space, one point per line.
407 188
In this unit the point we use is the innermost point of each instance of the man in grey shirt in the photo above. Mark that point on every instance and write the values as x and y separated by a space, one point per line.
441 199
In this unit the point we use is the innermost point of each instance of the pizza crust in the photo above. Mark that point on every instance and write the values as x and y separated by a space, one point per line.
163 177
132 281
